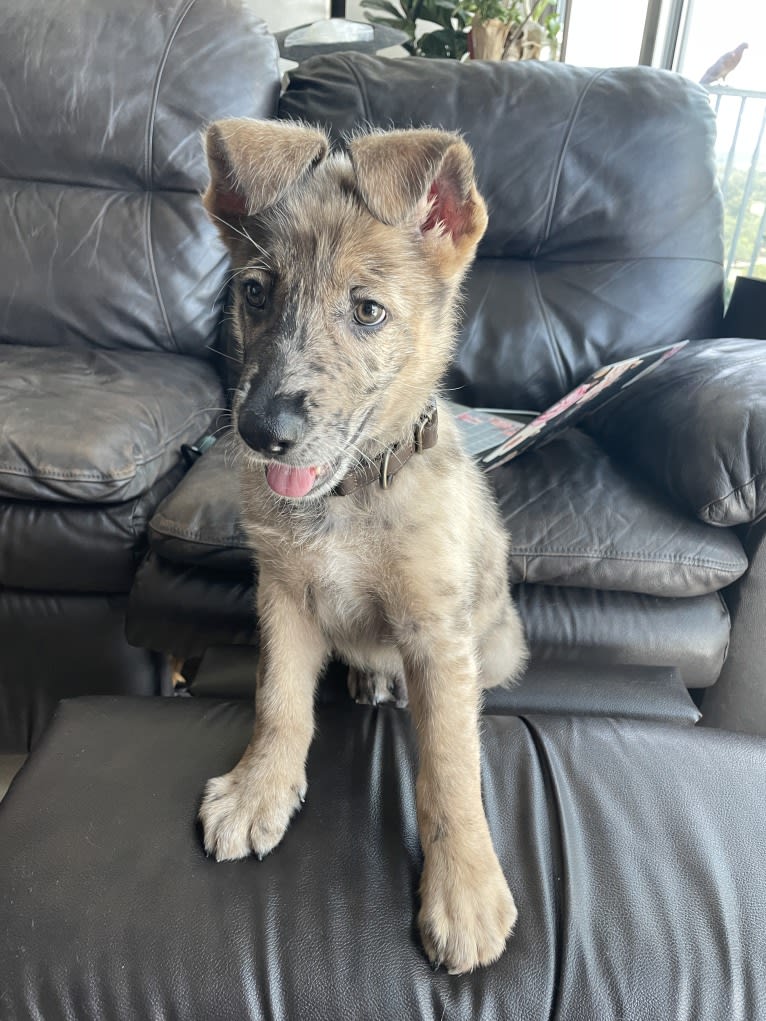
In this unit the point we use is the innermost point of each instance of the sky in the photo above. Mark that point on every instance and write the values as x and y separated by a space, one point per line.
710 35
608 33
598 39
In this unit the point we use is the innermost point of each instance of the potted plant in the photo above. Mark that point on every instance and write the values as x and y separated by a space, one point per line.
476 29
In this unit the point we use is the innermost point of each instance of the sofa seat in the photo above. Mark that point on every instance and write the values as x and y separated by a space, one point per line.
97 426
90 444
634 851
75 547
599 566
184 610
575 517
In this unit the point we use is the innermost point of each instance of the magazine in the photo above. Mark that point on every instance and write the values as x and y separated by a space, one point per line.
496 435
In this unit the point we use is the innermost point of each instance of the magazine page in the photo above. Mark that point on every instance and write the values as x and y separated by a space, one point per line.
600 387
483 430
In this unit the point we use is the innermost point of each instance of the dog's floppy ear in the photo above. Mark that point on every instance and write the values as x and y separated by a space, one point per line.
425 173
253 163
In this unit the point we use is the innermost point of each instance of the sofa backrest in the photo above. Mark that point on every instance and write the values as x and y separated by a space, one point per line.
103 239
605 219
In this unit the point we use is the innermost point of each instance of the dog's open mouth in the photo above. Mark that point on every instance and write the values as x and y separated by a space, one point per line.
287 480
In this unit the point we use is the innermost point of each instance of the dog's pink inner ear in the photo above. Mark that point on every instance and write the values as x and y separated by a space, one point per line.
229 202
448 208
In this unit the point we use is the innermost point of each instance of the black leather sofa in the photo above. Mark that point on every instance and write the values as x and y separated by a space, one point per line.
637 542
634 849
632 840
109 277
629 537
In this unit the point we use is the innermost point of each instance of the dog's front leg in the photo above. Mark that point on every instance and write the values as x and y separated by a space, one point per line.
467 911
248 809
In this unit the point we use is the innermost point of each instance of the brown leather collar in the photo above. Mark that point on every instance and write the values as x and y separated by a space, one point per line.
383 467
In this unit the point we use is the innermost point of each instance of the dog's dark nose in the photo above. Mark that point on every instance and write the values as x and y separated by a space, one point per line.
274 427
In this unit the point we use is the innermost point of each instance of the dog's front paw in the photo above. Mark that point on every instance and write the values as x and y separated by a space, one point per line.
373 687
247 811
467 912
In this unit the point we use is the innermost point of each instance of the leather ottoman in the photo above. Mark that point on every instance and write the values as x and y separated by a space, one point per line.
635 851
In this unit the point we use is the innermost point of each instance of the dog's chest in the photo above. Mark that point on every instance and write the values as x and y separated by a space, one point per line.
338 581
342 595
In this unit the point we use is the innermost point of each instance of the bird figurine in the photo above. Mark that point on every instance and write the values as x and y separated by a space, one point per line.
723 66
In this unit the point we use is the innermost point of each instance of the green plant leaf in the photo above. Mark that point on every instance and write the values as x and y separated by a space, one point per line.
383 5
443 43
404 26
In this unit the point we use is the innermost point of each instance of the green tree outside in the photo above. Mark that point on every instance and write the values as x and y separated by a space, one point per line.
752 220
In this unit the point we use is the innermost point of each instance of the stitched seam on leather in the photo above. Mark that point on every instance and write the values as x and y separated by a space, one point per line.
149 246
172 531
722 499
35 181
120 474
149 135
549 329
362 89
551 551
727 614
560 902
556 179
608 262
149 164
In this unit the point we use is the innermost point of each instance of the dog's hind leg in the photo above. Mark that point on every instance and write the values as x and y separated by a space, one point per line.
503 649
248 809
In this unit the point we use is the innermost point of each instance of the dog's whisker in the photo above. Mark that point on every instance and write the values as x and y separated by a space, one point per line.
223 354
228 277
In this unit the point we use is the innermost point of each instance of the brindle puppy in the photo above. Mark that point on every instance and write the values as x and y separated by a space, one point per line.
347 271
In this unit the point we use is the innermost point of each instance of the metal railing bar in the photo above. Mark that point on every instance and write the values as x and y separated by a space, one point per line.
732 148
727 90
758 243
746 195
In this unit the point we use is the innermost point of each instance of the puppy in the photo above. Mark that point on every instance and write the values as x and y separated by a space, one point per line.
375 538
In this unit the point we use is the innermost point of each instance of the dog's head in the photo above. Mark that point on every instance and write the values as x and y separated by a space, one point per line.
346 276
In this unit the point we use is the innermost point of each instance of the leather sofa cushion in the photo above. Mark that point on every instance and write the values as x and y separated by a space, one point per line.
84 426
61 645
603 206
579 517
105 241
636 692
198 524
575 518
184 609
634 851
705 409
74 547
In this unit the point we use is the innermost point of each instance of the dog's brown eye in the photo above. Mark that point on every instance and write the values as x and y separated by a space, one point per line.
255 293
369 313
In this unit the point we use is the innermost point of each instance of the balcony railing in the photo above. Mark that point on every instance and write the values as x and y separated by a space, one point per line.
741 154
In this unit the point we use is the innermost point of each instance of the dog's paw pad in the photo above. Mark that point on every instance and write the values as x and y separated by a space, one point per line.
465 923
374 687
243 815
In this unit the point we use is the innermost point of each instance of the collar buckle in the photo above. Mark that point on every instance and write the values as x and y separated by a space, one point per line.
385 482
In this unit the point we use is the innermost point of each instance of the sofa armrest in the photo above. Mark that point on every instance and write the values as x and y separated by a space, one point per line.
737 701
746 314
696 428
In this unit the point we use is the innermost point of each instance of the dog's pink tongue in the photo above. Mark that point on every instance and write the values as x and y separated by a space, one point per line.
287 481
